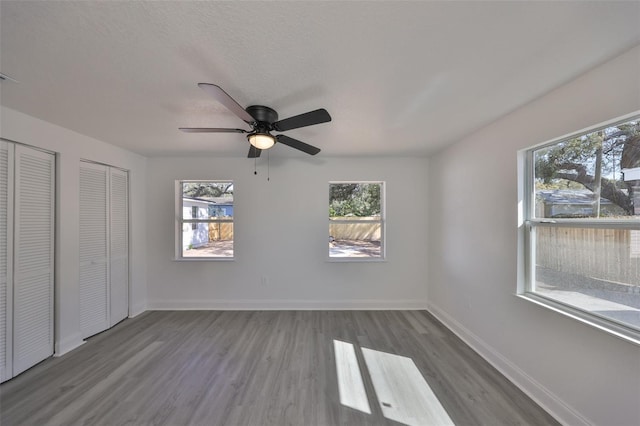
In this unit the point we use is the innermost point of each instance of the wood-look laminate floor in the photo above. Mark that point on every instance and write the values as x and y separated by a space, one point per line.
261 368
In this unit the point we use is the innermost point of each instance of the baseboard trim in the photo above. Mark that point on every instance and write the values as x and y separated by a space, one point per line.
67 345
137 310
286 305
551 403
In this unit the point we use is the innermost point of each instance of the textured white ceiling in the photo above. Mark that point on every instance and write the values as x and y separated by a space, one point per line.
399 78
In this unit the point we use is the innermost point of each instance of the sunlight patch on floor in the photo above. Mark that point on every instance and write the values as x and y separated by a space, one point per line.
404 395
350 385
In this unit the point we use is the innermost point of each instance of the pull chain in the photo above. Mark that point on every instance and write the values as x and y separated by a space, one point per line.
255 165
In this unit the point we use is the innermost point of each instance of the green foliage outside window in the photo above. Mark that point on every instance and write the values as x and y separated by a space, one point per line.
354 199
207 189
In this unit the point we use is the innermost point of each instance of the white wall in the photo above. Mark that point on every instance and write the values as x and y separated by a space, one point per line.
281 233
580 374
70 148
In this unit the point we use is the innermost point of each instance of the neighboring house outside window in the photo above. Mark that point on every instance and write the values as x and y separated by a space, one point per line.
356 221
204 211
581 225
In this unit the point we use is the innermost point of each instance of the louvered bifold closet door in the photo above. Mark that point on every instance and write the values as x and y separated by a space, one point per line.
6 315
33 271
94 270
119 245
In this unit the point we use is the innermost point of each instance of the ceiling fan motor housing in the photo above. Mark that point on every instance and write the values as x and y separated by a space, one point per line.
263 114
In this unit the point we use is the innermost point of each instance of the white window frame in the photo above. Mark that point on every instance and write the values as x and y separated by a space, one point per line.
382 221
181 221
528 223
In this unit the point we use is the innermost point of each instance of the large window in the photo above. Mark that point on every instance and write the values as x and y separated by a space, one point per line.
582 226
204 211
356 220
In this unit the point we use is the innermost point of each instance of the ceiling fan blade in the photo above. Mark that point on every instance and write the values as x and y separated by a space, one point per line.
226 100
210 130
303 120
294 143
254 152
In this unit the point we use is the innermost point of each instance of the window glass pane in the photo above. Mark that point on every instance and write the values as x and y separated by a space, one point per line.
209 239
354 200
596 270
208 199
595 175
355 239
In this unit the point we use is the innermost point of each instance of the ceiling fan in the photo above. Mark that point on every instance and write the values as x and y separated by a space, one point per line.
263 120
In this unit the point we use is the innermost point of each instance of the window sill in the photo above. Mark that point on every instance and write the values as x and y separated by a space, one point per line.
356 260
204 259
620 331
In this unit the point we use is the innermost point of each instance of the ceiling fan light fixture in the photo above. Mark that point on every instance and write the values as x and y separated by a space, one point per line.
261 140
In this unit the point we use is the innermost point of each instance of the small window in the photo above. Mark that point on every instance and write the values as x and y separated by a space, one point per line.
205 219
356 220
194 215
582 196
